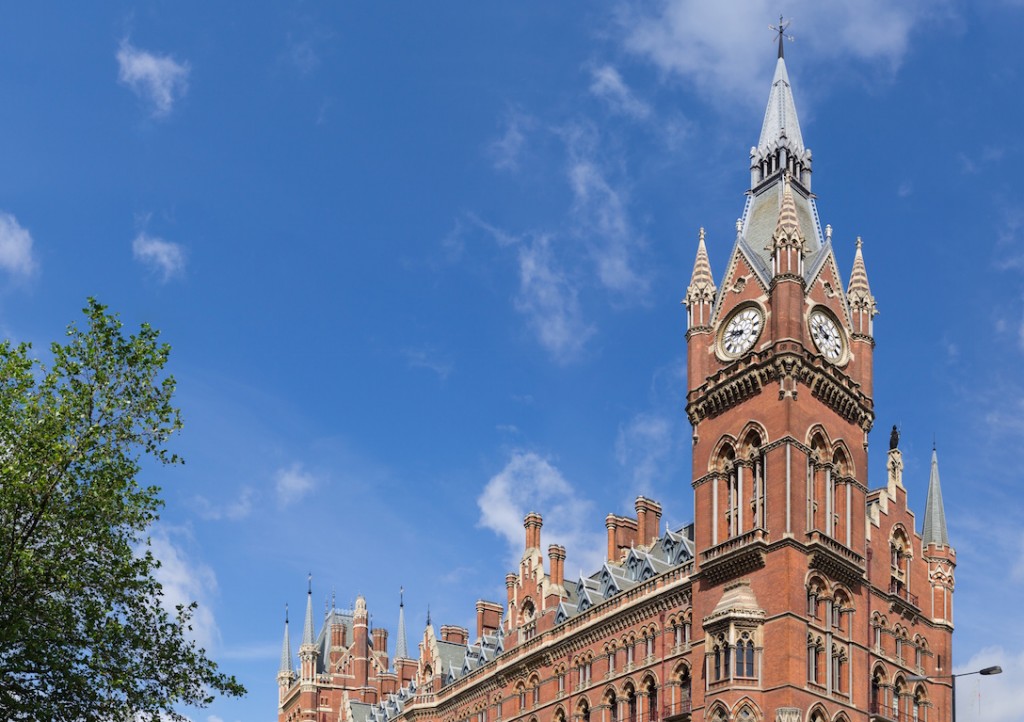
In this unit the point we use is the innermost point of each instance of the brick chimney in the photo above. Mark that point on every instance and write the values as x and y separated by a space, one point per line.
648 518
556 555
533 522
488 617
454 634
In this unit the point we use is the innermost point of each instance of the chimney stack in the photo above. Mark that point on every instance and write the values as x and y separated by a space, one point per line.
556 555
533 523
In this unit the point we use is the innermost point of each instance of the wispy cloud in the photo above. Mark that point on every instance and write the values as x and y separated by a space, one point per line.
601 219
234 510
720 47
607 84
506 151
163 257
292 483
550 301
430 359
184 581
159 80
16 256
529 482
643 446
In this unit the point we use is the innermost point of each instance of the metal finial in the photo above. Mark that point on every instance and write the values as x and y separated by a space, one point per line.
781 30
334 599
401 596
309 589
286 612
739 225
428 615
859 243
828 232
701 235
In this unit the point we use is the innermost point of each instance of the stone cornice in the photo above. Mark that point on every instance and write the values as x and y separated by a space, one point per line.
746 377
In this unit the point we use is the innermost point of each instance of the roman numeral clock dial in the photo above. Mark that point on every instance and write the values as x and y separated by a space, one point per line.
826 335
741 331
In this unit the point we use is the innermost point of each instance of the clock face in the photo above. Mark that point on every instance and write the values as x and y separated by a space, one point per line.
826 336
741 332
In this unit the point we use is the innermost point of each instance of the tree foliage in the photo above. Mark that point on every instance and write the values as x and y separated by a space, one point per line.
83 634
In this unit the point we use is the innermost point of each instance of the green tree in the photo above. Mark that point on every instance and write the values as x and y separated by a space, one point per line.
83 634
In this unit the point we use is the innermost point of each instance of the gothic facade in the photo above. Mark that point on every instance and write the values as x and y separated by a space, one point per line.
798 594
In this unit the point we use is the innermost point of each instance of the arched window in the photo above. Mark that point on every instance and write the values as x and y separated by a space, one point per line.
631 704
745 656
919 710
652 699
898 691
718 663
838 667
521 690
753 491
613 706
814 648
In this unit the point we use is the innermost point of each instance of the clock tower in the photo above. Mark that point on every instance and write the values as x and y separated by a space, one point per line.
788 579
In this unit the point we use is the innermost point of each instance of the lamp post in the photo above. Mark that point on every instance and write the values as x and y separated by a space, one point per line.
996 669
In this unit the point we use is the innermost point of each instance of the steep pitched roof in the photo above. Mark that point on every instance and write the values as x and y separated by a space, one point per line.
934 531
401 646
286 648
780 119
307 628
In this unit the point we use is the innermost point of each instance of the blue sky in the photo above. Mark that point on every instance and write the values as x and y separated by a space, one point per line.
421 264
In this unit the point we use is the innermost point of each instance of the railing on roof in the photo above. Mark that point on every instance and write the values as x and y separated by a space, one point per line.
730 545
900 591
676 709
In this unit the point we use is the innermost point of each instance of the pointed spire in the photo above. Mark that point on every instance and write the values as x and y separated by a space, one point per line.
780 120
401 646
286 648
934 531
307 629
702 283
862 303
788 226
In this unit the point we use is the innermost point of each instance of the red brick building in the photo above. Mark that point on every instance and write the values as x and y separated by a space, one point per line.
797 595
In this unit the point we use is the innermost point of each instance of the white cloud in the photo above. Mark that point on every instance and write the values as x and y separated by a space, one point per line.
234 510
550 301
506 151
161 256
608 85
159 80
720 47
185 581
602 221
643 447
293 483
995 698
15 247
430 359
529 482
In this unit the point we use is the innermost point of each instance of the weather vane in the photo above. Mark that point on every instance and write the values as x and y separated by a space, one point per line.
781 30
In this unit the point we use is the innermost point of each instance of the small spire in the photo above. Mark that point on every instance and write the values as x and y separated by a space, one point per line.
307 629
934 531
859 291
401 645
702 283
286 648
789 222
